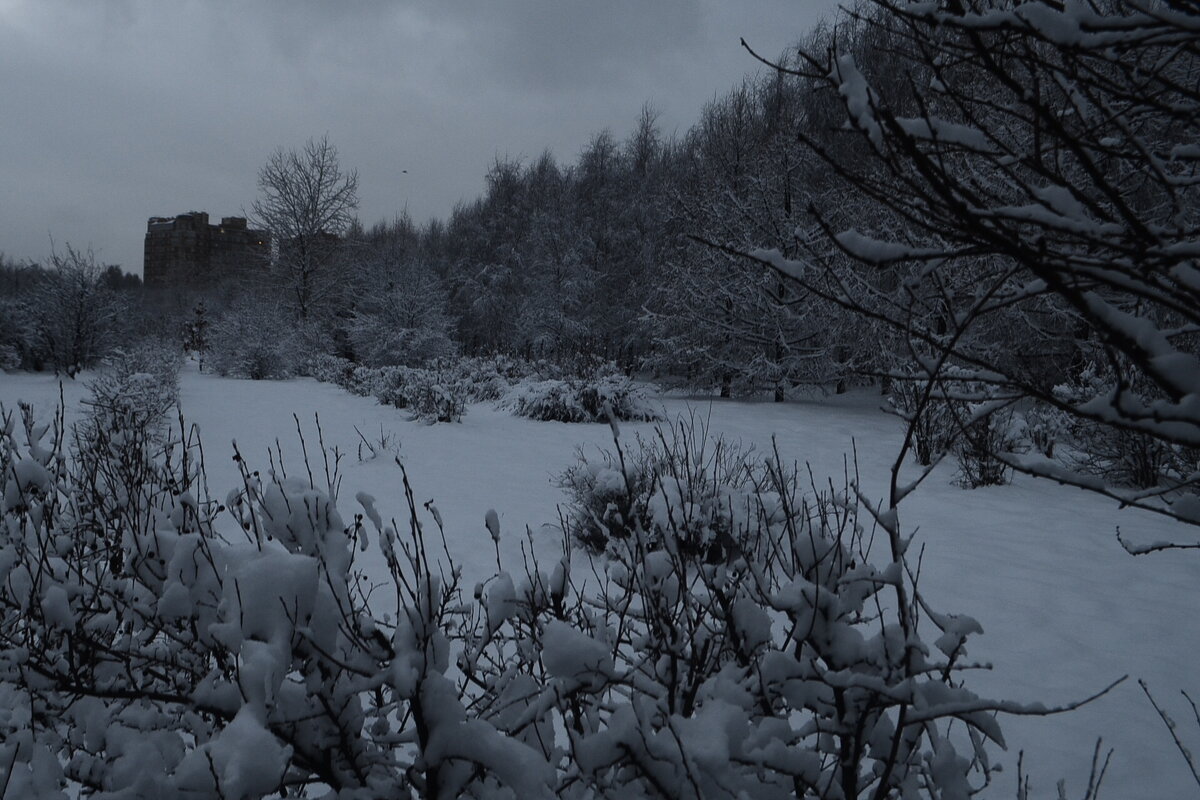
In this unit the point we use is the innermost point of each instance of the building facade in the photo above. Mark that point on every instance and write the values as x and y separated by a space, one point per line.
186 252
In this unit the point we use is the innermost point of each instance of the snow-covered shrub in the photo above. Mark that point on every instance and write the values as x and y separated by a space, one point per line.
1122 457
254 339
481 379
580 400
988 432
1046 427
434 396
926 410
327 368
510 368
154 655
363 381
388 385
141 382
121 443
14 334
431 395
440 390
766 674
961 418
10 358
545 400
679 483
438 394
619 395
185 650
195 331
608 498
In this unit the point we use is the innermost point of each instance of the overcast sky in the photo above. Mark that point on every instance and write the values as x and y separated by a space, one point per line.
112 111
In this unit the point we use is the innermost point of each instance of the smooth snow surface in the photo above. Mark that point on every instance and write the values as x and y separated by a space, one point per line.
1064 609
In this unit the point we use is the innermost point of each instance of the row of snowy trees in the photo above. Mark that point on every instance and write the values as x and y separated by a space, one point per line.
558 260
614 253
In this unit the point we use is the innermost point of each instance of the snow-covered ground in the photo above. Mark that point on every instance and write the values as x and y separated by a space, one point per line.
1065 610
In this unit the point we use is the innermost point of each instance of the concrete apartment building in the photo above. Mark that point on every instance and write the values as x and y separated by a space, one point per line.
186 252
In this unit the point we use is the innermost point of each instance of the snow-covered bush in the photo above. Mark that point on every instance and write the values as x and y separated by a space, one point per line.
545 400
1124 458
767 673
925 410
218 650
581 400
124 434
141 381
988 433
962 418
510 368
607 497
157 656
618 395
14 334
388 385
434 396
364 381
1121 456
1046 427
254 339
482 379
10 358
327 368
438 394
431 395
678 483
440 391
195 331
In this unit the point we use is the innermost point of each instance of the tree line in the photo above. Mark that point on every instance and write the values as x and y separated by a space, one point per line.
599 256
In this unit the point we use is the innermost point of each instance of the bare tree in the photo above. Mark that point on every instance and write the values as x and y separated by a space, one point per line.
73 314
307 204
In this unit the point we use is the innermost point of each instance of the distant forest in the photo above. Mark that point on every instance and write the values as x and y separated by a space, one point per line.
610 255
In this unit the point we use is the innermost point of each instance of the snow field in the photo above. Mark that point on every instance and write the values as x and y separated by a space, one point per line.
1065 610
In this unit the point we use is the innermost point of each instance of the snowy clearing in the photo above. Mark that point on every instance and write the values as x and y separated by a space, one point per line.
1065 610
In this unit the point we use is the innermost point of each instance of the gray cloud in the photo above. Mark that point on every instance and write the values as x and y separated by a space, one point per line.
112 112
